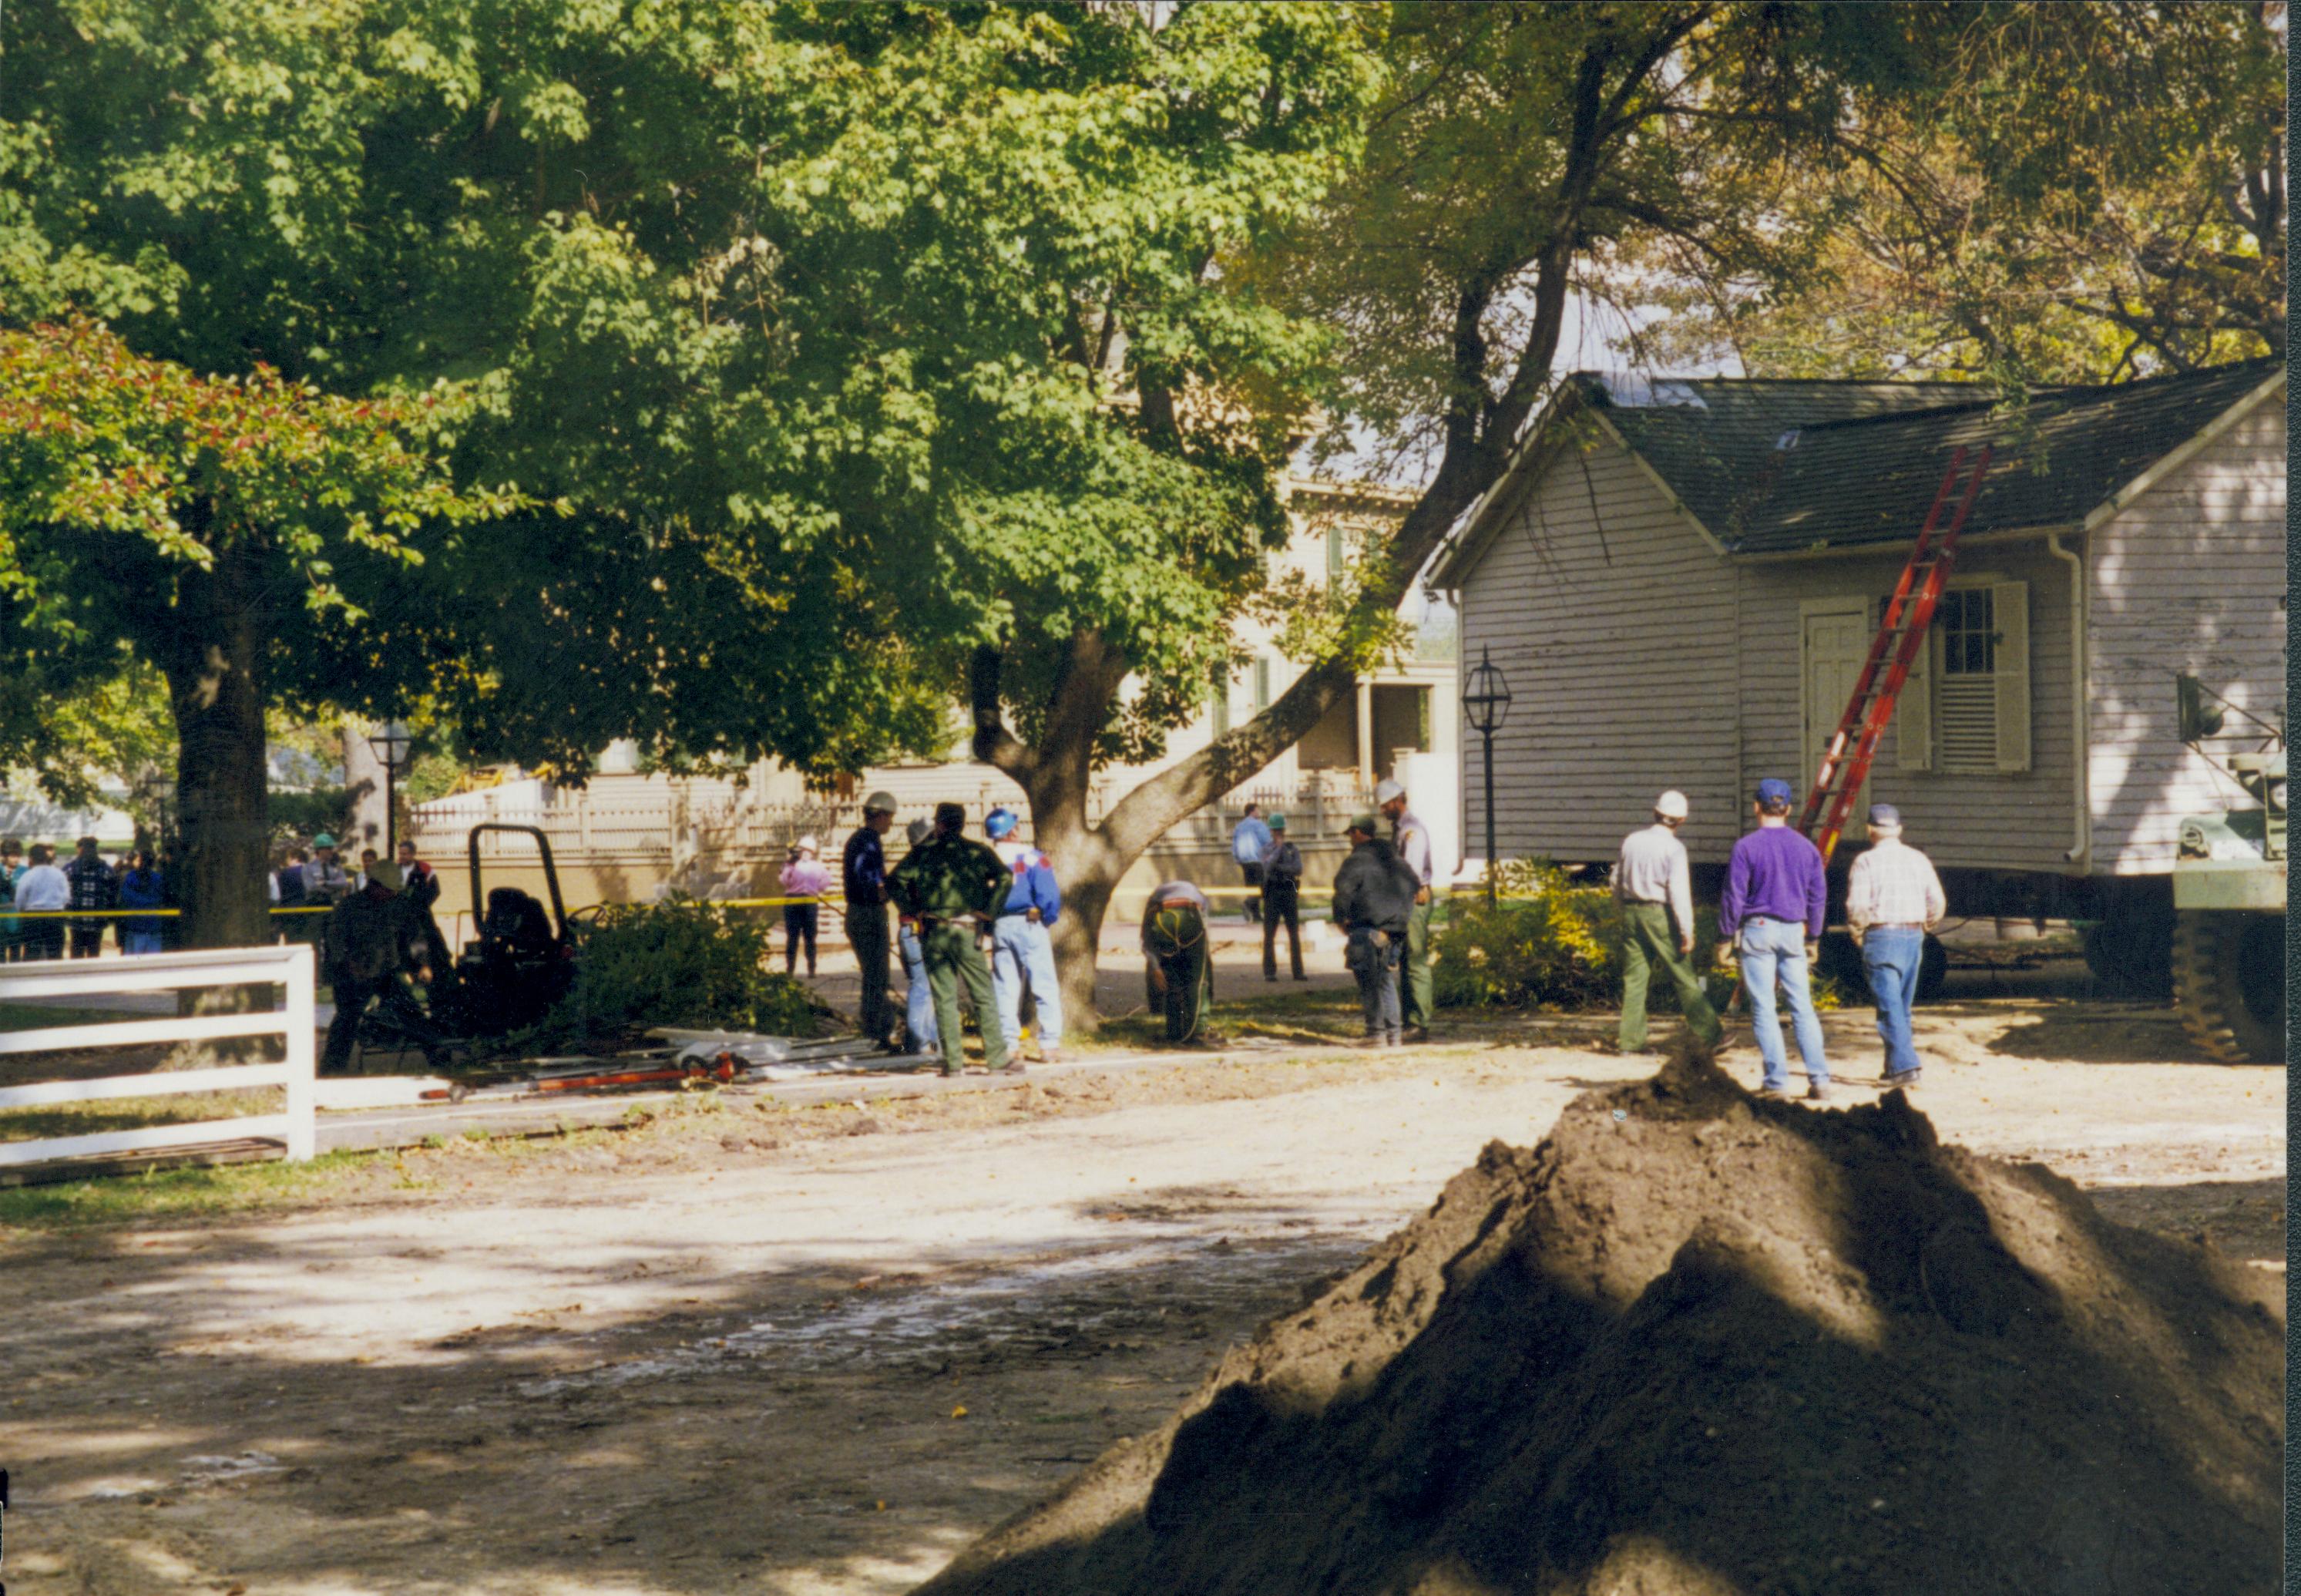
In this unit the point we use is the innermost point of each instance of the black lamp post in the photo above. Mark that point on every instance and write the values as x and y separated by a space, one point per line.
1486 700
390 742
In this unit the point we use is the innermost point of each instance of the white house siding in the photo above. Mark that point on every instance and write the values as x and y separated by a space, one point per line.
2011 821
1613 621
2189 577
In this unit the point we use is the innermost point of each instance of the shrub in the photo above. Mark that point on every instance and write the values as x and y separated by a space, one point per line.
1544 941
682 962
1547 942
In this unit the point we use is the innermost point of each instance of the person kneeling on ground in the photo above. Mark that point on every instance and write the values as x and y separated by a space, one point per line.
1177 975
953 886
1893 897
375 942
1373 901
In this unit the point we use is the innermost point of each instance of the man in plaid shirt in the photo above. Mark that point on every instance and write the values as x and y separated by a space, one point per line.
94 887
1892 899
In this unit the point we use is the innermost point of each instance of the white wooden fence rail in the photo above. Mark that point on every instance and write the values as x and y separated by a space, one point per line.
288 966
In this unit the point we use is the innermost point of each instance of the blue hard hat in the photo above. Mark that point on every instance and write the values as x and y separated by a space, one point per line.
999 822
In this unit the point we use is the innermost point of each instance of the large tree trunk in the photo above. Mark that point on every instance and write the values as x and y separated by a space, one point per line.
1480 429
215 686
1088 868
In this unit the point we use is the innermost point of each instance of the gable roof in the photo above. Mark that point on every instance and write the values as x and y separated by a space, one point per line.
1769 466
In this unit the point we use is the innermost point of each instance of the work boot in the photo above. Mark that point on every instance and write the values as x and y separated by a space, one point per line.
1412 1033
1817 1091
1391 1039
1905 1080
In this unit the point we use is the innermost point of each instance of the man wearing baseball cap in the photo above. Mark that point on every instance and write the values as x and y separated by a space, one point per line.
1655 887
1772 913
1893 897
863 884
1411 839
952 886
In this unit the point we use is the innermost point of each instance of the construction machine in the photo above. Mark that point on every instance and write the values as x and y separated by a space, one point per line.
2229 910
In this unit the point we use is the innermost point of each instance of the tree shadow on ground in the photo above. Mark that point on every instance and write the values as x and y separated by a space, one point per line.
807 1425
2097 1034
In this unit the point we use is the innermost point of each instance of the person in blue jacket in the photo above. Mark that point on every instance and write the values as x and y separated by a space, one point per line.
141 888
1022 938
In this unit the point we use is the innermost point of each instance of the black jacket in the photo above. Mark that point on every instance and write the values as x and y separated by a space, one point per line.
373 935
1374 888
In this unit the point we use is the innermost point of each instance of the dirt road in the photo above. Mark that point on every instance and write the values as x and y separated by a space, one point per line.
745 1351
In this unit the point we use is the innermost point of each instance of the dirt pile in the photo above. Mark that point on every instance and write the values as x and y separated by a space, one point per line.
1703 1345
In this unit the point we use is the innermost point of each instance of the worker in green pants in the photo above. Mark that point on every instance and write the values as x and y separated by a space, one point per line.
1655 887
1411 840
1178 978
953 886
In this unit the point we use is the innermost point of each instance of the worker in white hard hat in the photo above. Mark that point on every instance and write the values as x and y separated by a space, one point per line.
862 879
1655 890
1411 840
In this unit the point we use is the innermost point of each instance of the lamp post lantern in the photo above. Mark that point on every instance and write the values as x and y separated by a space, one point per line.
1486 700
390 742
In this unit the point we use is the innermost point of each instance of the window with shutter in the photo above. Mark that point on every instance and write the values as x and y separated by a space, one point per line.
1979 697
1965 703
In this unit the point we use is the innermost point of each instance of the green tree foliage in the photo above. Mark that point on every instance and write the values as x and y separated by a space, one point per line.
210 524
2060 193
873 350
72 740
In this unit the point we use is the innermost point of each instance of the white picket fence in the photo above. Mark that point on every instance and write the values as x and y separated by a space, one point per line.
290 967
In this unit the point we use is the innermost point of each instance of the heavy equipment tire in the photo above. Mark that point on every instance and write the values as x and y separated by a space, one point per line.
2130 954
2229 978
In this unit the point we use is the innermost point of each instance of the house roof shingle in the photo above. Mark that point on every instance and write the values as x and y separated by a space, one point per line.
1772 466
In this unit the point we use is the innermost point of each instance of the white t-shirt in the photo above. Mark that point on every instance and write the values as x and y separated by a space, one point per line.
43 886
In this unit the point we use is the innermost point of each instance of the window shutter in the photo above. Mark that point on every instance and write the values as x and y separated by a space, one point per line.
1261 683
1913 712
2010 604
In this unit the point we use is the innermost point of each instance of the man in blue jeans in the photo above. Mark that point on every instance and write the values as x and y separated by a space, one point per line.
1021 940
1771 916
1892 899
921 1039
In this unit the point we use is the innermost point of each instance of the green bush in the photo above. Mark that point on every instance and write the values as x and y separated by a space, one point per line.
698 965
1544 942
1549 943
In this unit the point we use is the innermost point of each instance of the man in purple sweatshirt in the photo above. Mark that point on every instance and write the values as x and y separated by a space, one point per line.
1771 914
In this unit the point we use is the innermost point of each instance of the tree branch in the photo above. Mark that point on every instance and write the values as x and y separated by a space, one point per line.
991 742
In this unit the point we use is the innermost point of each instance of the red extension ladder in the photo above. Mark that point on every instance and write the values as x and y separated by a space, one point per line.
1901 634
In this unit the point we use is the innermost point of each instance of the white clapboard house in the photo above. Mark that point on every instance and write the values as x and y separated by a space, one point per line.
1681 578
